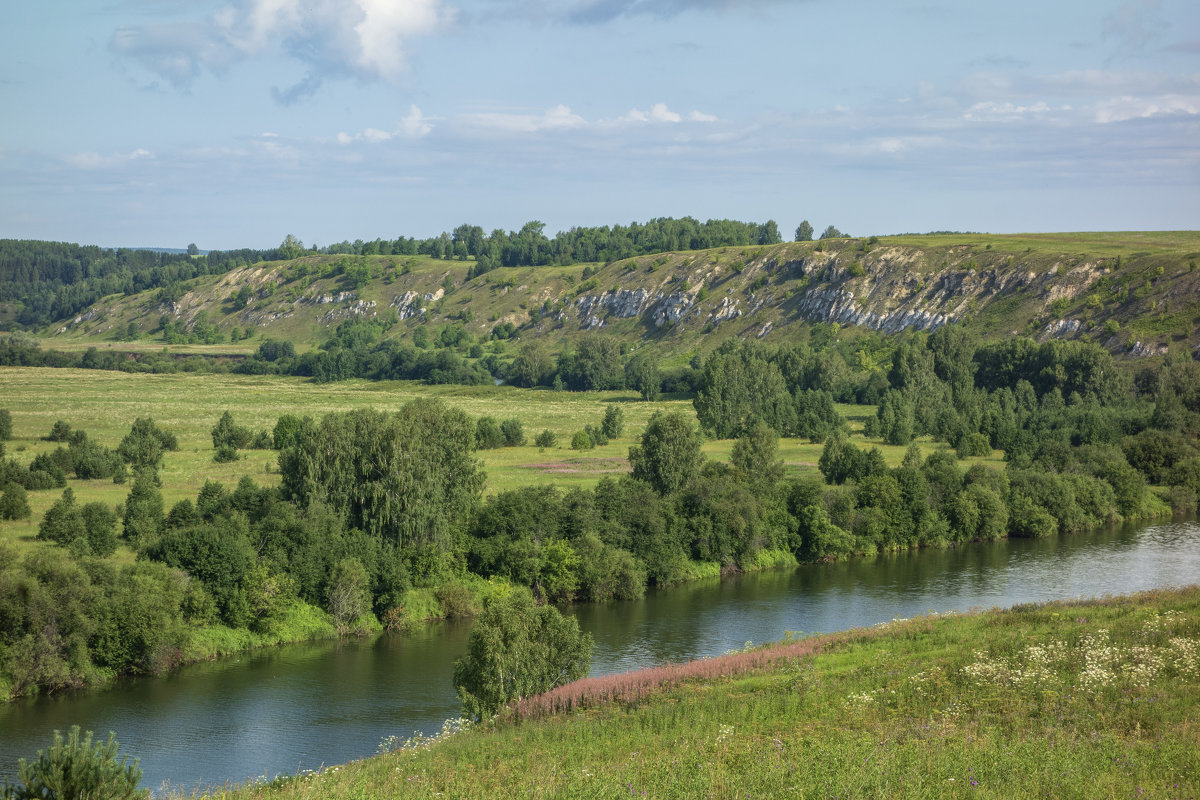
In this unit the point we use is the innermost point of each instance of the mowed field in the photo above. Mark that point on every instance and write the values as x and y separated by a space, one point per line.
105 404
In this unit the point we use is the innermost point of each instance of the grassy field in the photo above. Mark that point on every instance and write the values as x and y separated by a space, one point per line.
1095 699
105 403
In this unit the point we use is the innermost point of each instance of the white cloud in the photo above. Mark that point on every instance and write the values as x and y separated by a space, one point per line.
413 126
364 38
92 160
992 110
1120 109
559 117
660 113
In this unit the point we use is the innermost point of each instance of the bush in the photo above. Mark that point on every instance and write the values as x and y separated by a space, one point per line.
14 504
487 434
77 768
975 444
514 433
5 424
518 649
581 441
546 438
225 453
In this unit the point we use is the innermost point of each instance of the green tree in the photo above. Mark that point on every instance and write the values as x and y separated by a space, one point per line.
832 233
613 422
642 375
804 231
226 432
410 476
533 365
513 431
348 596
756 459
145 443
518 649
547 438
75 768
14 503
669 454
291 248
5 424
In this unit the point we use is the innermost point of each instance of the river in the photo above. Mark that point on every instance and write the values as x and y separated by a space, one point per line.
304 706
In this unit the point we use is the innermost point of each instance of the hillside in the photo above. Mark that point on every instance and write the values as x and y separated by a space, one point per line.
1136 293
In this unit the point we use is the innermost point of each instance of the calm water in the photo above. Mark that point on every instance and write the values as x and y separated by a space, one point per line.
304 706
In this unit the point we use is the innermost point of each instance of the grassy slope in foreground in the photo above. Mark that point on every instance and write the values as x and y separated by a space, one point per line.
1070 699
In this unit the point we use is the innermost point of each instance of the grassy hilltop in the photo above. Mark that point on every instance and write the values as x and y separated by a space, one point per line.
1134 292
1070 699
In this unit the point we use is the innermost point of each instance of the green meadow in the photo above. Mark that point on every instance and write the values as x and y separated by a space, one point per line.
1095 699
105 403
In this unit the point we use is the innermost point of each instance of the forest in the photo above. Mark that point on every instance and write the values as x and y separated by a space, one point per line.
377 509
52 281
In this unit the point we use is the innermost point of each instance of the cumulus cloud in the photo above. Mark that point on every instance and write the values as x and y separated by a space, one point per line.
368 39
660 113
413 126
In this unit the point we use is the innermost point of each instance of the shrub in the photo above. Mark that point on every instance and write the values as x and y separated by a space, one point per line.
975 444
5 424
77 768
488 435
14 504
546 438
513 432
581 441
518 649
225 453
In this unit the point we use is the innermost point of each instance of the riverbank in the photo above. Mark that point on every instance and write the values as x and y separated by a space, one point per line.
1067 699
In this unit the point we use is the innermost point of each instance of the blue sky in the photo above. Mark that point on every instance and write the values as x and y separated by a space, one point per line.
232 123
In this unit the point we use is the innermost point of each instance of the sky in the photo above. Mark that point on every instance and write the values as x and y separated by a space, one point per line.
233 123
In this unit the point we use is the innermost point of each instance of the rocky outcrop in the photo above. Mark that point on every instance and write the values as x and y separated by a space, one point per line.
1062 329
362 308
839 305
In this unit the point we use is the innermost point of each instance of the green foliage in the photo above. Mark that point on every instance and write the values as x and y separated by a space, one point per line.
642 375
14 503
409 477
348 594
755 457
145 443
6 428
518 649
547 438
228 433
287 428
59 432
613 422
804 232
513 432
581 440
225 453
74 769
488 435
669 453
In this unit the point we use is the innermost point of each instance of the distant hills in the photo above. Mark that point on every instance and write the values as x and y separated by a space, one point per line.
1137 293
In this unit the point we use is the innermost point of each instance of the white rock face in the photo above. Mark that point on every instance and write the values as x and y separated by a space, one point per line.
1062 328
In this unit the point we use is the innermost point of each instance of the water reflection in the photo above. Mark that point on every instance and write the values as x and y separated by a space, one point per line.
299 707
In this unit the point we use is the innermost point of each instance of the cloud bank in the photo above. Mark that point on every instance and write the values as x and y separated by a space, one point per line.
367 39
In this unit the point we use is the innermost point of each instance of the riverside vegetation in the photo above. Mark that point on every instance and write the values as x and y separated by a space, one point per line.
367 519
379 519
